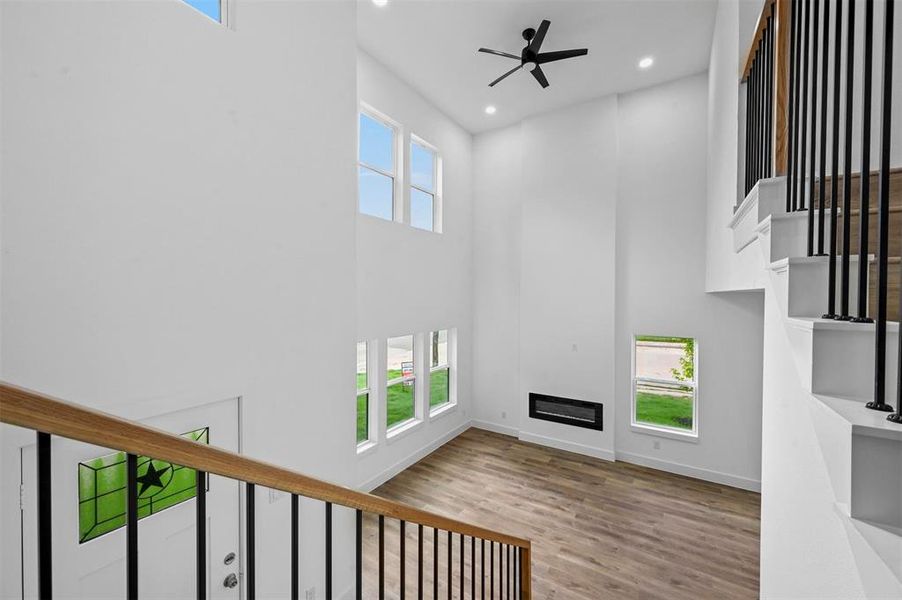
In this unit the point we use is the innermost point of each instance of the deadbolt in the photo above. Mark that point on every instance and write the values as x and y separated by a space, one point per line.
231 581
229 558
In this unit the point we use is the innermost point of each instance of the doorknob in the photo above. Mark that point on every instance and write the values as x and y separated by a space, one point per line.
231 581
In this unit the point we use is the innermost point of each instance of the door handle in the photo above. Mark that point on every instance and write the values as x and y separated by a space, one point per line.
230 581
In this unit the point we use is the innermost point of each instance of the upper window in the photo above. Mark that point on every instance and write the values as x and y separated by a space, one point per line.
211 8
665 375
423 204
439 369
400 381
363 395
376 168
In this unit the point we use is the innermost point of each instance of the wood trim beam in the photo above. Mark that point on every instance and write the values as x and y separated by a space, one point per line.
32 410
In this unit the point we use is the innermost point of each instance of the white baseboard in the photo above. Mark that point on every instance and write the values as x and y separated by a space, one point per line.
568 446
414 457
695 472
495 427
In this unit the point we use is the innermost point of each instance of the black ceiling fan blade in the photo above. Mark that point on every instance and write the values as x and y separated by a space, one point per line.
511 72
540 76
499 53
547 57
536 42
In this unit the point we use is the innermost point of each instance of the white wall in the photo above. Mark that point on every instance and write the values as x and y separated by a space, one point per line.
600 206
567 267
178 222
411 281
661 282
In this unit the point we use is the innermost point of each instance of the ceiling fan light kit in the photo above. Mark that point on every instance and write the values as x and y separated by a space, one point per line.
531 59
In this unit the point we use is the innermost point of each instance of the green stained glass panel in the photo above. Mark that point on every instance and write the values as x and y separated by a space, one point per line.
101 489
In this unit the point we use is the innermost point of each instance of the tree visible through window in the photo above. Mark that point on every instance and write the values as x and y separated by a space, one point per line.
102 489
400 380
664 382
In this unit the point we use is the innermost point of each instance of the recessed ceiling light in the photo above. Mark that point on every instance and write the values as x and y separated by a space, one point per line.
490 110
380 2
645 63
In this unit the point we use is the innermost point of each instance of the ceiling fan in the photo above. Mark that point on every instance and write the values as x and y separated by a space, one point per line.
530 58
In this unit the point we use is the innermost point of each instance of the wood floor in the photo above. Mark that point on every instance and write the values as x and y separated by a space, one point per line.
599 529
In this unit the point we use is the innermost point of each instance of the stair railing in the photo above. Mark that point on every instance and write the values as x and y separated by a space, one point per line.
52 417
790 55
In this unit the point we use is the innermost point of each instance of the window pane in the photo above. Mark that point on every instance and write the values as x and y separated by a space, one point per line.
400 357
376 144
363 413
667 405
376 194
438 348
399 402
670 358
211 8
422 167
421 210
361 366
438 387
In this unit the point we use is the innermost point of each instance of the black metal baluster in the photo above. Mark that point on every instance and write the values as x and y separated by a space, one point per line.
419 562
509 553
754 131
450 557
815 30
834 166
200 495
328 574
864 202
492 570
500 571
45 517
792 108
748 134
381 557
295 575
403 563
803 158
251 550
886 108
435 563
769 98
847 169
519 573
359 555
131 526
822 190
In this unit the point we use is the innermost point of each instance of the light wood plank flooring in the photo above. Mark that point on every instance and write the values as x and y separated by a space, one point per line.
599 529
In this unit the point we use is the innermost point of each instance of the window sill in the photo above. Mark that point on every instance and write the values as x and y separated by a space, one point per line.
665 433
365 448
402 429
442 410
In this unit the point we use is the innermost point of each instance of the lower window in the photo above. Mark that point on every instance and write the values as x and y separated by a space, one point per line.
400 388
665 392
363 395
439 369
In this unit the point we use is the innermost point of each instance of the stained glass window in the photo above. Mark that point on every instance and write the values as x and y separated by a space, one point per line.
102 493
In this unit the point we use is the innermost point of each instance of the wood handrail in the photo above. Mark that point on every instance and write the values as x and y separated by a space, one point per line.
766 11
39 412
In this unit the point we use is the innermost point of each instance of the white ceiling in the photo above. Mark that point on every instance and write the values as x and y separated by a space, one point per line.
432 45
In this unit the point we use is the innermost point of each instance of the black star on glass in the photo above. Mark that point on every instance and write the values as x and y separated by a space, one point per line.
151 478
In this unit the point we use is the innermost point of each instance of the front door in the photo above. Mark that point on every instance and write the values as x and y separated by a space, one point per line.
88 498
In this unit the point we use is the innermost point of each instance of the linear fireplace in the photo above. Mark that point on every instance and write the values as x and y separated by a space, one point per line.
578 413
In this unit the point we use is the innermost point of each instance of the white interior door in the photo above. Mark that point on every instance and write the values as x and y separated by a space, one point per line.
88 498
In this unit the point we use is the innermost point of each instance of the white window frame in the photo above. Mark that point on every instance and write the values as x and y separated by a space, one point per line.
371 425
451 365
396 174
663 430
437 205
398 429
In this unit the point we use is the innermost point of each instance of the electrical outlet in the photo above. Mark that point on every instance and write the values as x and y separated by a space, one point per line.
310 594
657 445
